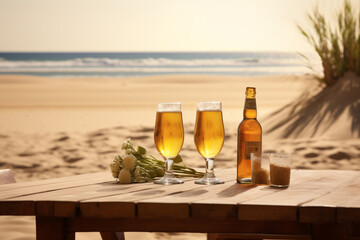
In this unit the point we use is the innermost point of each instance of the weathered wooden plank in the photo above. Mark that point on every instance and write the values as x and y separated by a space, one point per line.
283 205
203 225
120 202
227 200
19 190
249 236
348 214
239 193
22 208
355 231
217 209
60 201
106 199
121 209
67 179
348 211
21 201
54 208
63 202
222 204
330 231
124 204
323 208
99 206
177 204
53 228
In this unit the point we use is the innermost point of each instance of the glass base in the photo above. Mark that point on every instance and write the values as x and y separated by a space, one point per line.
245 180
169 180
279 186
208 181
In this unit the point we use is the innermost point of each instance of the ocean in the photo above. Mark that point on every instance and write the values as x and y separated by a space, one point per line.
72 64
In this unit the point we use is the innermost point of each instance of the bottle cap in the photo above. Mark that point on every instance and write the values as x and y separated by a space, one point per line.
250 91
251 88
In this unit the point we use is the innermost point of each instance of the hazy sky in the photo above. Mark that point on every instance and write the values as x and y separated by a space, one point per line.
154 25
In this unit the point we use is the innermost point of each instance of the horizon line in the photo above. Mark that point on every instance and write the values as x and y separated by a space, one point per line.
159 51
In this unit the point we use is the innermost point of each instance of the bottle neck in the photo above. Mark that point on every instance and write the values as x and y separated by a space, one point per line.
250 108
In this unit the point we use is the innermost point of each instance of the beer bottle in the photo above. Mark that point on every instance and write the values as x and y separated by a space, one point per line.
249 138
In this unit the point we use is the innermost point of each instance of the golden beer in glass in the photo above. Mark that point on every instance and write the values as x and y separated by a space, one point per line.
169 133
209 133
169 138
209 137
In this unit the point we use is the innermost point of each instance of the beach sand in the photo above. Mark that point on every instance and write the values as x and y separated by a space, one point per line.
54 127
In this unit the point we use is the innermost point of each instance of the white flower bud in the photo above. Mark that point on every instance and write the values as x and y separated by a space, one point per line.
114 169
141 150
124 176
128 151
137 174
115 166
129 161
124 145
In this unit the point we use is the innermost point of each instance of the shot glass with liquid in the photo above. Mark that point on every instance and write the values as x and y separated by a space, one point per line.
260 168
280 169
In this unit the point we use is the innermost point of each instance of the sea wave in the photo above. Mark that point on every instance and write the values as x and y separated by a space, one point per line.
293 69
150 62
142 64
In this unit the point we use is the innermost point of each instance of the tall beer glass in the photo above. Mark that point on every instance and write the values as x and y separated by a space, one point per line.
209 137
169 138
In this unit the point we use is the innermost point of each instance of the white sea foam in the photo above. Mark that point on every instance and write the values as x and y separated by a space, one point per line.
130 64
278 69
152 62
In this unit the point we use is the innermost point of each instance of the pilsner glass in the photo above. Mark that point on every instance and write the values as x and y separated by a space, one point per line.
209 137
169 138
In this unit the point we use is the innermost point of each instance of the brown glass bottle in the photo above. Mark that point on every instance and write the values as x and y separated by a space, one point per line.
249 137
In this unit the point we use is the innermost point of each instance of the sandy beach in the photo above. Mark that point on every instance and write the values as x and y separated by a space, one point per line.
54 127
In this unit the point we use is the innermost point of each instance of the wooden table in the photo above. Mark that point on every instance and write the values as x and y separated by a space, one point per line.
319 204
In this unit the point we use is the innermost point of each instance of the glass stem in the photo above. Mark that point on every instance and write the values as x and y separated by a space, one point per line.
209 168
169 166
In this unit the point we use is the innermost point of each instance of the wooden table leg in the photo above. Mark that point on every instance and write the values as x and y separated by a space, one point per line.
53 228
112 235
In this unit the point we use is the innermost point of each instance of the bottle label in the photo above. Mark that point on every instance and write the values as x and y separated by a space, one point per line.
252 147
250 103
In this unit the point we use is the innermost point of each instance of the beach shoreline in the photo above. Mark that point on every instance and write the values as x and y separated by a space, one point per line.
123 100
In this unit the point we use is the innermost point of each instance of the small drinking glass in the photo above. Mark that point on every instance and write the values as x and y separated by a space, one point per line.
260 168
280 169
169 138
209 137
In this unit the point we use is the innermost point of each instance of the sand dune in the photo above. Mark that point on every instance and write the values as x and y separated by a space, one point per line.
333 112
52 127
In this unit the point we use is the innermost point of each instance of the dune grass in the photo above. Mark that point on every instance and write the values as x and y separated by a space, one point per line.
339 45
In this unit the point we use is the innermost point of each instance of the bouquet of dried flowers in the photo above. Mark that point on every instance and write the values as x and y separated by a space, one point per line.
139 166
